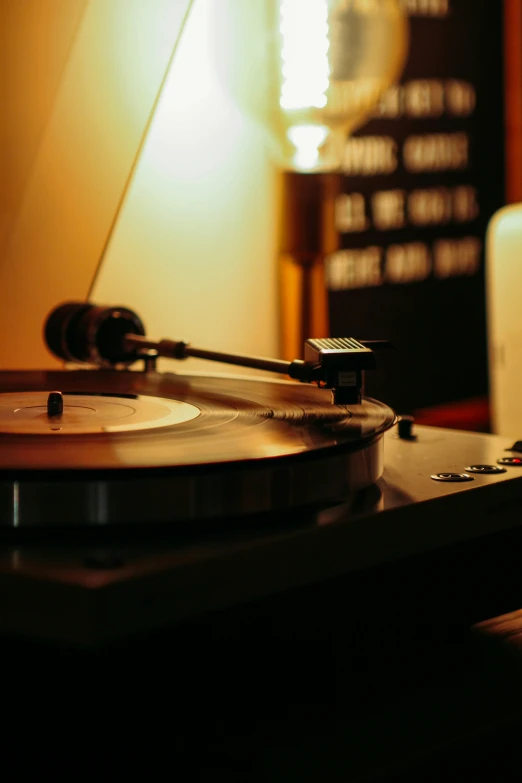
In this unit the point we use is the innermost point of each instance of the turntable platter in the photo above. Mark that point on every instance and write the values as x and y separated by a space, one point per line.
148 447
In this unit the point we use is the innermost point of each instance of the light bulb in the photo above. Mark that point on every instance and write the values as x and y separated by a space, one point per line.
331 60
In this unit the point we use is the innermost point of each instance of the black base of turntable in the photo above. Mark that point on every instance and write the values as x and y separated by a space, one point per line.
373 676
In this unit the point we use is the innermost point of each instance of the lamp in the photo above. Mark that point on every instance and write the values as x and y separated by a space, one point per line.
330 61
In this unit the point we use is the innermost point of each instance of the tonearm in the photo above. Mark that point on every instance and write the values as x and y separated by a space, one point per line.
114 337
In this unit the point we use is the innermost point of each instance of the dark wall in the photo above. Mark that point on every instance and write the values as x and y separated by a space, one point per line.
422 285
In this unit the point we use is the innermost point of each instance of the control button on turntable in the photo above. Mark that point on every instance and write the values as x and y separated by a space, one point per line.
485 469
454 477
514 462
405 428
517 446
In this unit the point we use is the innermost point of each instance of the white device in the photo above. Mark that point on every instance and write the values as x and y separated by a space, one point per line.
504 316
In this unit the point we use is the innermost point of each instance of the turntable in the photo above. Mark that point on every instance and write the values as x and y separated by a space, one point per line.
130 498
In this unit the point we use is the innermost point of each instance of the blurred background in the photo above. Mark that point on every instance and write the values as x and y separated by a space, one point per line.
153 154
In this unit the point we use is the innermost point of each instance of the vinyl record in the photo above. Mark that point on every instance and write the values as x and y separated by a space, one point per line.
150 447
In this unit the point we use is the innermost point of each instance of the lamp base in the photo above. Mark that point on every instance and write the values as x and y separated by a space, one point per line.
308 235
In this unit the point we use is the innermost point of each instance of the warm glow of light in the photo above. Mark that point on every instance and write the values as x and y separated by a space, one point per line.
305 72
307 139
201 208
304 54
